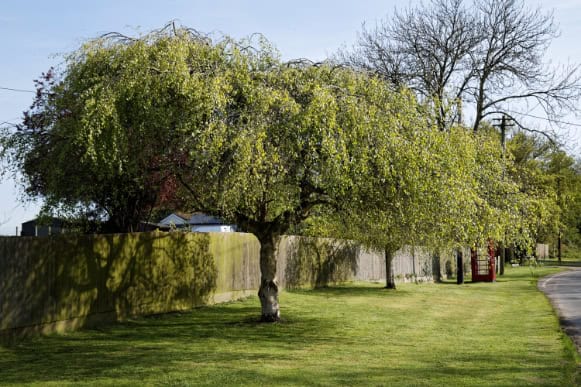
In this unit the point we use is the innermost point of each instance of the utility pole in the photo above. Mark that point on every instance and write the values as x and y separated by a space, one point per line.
559 235
502 126
503 143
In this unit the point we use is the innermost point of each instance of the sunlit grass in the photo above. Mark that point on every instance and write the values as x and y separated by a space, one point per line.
498 334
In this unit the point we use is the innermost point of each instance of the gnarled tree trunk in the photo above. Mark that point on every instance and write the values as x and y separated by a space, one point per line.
268 291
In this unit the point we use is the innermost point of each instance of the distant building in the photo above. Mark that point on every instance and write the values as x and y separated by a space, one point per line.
197 222
34 227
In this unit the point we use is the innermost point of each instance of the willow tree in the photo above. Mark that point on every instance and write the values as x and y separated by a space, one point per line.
286 140
429 188
225 127
416 184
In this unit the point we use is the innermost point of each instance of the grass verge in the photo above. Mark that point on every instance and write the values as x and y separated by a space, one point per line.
498 334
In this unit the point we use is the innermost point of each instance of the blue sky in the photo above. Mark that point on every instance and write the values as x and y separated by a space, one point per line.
34 33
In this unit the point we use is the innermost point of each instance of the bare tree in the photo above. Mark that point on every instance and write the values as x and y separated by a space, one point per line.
509 63
487 54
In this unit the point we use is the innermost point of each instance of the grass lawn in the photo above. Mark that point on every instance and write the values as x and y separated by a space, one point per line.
571 257
497 334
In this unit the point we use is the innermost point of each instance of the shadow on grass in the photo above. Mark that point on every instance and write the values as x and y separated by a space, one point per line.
226 345
351 290
453 282
214 341
490 373
221 334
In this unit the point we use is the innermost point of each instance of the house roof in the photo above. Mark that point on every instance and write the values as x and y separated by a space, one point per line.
201 218
50 221
174 219
183 215
198 218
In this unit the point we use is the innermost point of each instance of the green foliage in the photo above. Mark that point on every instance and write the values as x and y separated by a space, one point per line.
549 182
564 176
130 123
172 119
288 141
102 133
428 187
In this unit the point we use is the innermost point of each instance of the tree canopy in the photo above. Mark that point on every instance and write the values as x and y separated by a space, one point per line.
101 132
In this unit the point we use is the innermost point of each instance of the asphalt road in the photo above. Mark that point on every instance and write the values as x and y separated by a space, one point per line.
564 291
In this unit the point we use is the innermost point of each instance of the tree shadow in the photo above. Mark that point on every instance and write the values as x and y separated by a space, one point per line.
72 281
317 262
220 334
223 339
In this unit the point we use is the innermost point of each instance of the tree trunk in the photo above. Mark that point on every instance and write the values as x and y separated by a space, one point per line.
389 277
459 267
502 259
559 246
268 291
479 103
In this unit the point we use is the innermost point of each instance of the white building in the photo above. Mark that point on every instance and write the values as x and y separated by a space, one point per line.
197 222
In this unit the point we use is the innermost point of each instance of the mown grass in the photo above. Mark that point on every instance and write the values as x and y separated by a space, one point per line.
498 334
571 257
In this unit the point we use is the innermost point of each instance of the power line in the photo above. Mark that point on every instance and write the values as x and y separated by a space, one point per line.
17 90
9 124
546 119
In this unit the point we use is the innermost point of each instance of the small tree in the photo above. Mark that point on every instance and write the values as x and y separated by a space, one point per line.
418 192
396 201
565 180
423 187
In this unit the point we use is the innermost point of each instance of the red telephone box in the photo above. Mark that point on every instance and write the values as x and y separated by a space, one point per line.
483 262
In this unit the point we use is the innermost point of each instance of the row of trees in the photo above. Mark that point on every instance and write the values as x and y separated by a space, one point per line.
551 180
175 120
475 61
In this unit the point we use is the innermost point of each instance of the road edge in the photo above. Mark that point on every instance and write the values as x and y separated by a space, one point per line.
566 325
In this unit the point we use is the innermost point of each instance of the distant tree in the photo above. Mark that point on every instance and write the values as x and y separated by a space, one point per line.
550 180
565 180
538 215
572 217
486 54
425 188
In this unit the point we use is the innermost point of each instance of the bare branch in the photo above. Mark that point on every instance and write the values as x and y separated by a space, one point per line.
476 53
